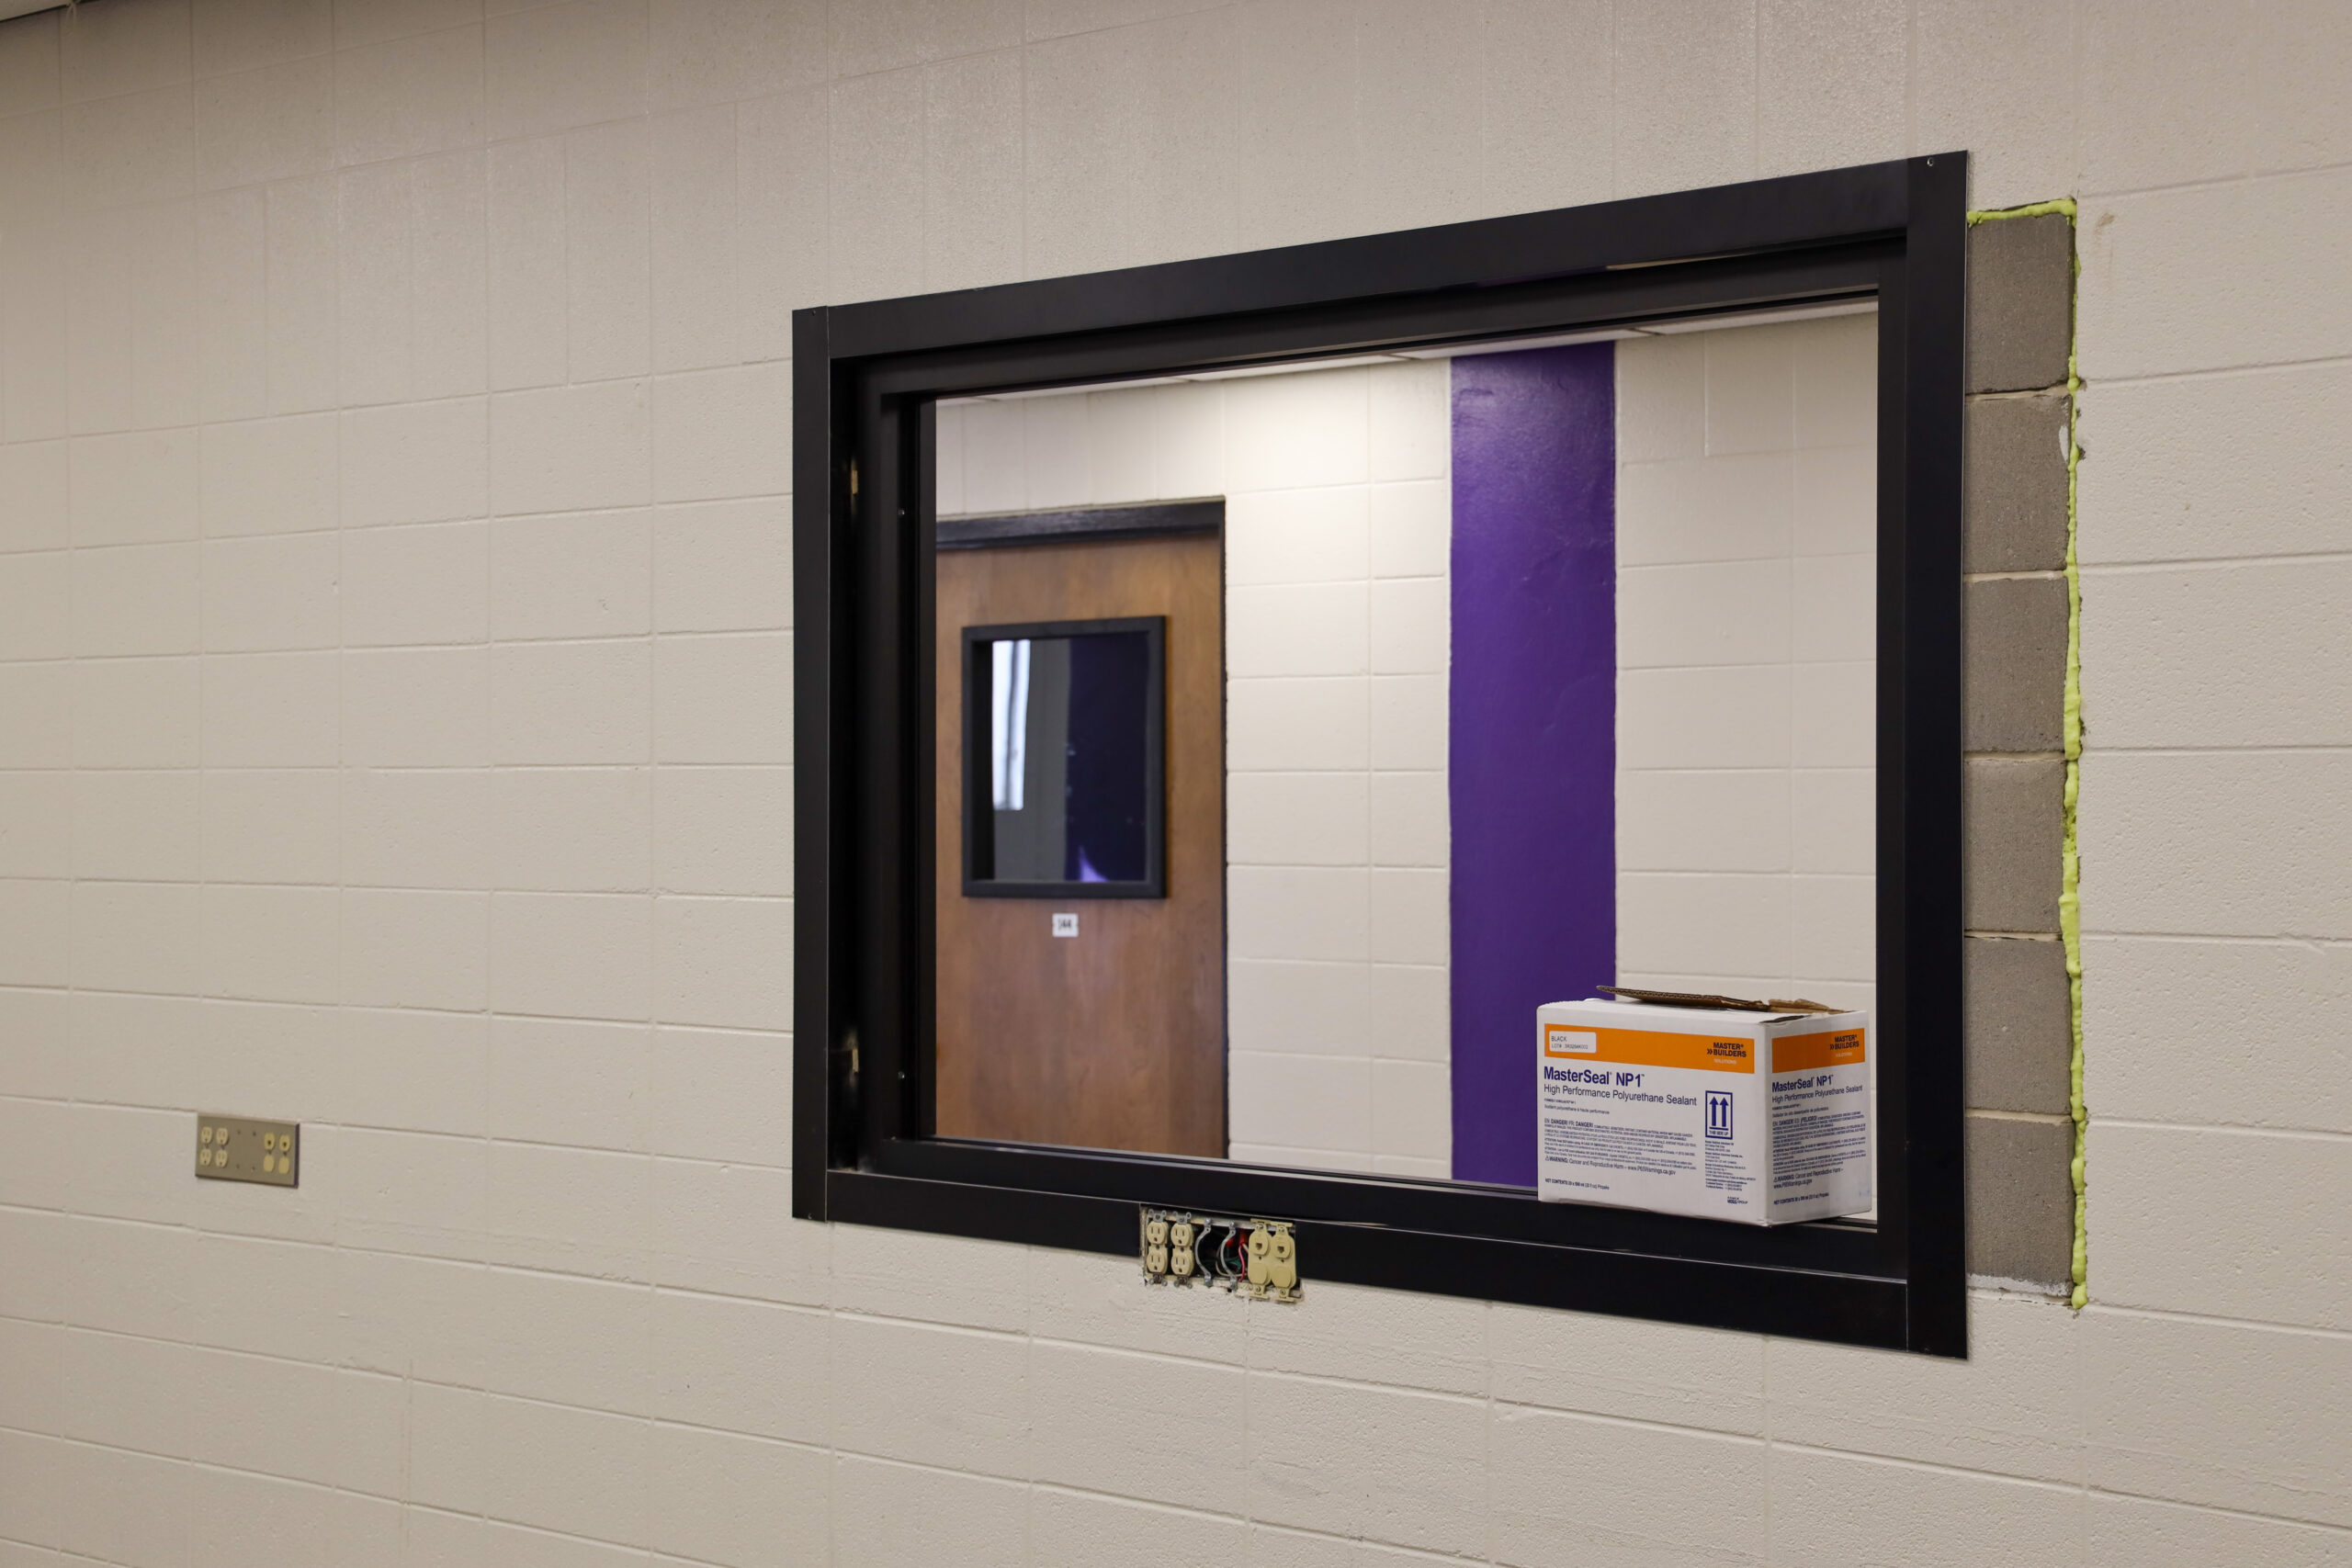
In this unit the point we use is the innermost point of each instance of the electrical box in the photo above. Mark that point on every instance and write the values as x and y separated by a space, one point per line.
239 1148
1251 1257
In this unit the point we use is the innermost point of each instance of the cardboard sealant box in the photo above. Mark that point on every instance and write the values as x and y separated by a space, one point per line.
1760 1118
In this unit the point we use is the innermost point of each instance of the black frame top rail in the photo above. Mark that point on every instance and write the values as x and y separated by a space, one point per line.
1150 520
866 378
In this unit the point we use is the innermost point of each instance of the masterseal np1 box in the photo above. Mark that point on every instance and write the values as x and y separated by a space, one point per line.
1762 1118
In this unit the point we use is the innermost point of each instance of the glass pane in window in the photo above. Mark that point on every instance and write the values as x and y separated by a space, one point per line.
1501 674
1069 753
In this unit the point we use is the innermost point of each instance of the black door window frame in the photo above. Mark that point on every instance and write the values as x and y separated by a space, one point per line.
865 379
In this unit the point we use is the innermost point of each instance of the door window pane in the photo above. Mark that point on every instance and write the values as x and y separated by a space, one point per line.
1070 751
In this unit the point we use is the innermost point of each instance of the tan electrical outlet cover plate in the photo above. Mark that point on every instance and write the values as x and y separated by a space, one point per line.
239 1148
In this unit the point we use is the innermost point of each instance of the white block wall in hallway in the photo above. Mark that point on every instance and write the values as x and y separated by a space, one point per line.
424 283
1336 529
1746 562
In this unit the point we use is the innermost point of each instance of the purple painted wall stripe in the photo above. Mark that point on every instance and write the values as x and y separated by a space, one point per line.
1534 722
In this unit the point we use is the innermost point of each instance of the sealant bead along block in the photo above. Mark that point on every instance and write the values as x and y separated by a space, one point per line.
2016 643
2015 519
2020 302
2013 828
2017 1025
2021 1200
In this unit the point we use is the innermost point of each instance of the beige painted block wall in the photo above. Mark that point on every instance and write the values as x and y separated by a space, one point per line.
328 790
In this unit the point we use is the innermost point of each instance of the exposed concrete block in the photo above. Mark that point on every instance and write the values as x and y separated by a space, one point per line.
2015 641
2013 810
2015 519
2021 1200
2018 1025
2021 303
2021 1196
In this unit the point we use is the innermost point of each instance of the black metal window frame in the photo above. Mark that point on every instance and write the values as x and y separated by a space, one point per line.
979 824
1150 520
866 377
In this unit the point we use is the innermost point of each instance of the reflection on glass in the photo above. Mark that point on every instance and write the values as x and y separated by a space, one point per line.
1541 668
1070 787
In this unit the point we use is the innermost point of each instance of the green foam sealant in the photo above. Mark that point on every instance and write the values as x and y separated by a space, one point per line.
2064 205
2070 912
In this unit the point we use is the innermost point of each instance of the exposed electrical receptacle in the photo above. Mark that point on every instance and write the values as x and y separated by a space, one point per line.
1282 1259
1274 1258
239 1148
1251 1257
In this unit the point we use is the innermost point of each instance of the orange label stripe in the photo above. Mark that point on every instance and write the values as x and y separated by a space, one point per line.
1831 1048
1656 1048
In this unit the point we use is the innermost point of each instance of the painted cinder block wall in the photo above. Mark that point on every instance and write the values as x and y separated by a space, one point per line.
392 735
1747 545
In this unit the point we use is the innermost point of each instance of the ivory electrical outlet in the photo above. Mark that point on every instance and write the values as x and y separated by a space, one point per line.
1273 1261
239 1148
1155 1248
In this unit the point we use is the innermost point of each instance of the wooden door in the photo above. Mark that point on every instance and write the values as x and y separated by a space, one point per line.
1114 1038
